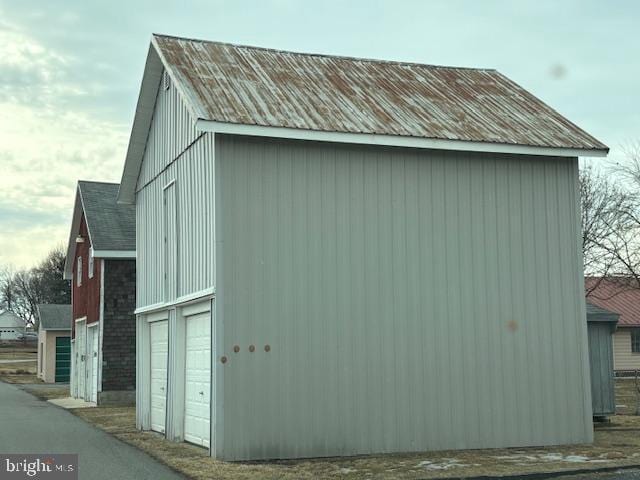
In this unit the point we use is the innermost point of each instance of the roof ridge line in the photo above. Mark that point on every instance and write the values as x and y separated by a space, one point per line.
326 55
99 181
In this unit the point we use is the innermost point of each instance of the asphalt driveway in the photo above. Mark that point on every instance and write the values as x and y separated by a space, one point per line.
29 425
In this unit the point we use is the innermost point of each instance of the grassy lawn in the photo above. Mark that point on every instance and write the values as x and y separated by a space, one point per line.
626 396
47 391
18 352
21 372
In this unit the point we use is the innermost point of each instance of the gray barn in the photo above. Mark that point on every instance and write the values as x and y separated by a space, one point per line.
601 325
340 256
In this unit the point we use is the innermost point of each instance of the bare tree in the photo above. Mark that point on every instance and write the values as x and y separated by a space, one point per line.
6 288
611 221
21 291
630 170
603 219
624 244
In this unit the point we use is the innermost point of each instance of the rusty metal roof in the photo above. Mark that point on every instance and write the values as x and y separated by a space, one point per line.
618 295
256 86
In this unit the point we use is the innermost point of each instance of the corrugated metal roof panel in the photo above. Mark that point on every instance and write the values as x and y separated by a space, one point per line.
257 86
618 296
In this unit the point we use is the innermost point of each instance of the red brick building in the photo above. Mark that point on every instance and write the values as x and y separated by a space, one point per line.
101 265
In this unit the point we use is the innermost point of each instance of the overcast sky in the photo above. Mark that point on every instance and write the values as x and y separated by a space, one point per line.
70 73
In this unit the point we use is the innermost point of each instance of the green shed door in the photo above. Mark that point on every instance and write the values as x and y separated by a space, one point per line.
63 358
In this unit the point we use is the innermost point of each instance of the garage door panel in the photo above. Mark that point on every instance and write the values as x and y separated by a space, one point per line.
81 356
159 350
198 379
63 359
91 364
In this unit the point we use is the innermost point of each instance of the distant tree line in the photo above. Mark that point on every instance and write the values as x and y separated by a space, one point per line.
610 201
22 290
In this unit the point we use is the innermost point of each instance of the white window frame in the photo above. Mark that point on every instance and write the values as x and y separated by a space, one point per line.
635 341
79 272
90 265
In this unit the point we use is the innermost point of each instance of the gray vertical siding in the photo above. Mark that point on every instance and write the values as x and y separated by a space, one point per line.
172 131
601 367
143 379
413 300
175 153
170 242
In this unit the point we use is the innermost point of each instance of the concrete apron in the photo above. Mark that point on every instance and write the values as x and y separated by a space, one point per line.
70 403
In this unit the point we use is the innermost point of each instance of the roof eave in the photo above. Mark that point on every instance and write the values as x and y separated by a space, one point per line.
73 232
204 125
141 123
603 317
151 78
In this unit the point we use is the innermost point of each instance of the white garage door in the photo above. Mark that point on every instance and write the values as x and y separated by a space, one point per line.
92 363
197 379
81 357
159 349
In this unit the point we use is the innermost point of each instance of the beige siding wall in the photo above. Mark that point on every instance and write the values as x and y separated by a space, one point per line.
413 300
42 346
47 342
623 359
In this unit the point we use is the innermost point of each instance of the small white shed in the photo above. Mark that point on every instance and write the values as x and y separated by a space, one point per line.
341 256
11 326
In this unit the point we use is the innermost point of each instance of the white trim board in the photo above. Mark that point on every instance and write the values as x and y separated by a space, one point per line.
78 209
180 301
157 316
101 333
114 253
391 140
195 308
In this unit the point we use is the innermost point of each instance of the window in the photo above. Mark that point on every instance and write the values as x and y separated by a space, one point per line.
79 272
90 266
635 340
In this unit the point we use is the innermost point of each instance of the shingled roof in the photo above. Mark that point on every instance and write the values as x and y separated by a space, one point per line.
598 314
54 316
111 226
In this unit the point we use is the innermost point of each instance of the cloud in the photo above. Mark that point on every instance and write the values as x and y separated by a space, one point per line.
23 246
44 150
70 72
31 73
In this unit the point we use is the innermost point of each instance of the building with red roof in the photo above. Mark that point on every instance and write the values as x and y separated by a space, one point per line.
622 297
